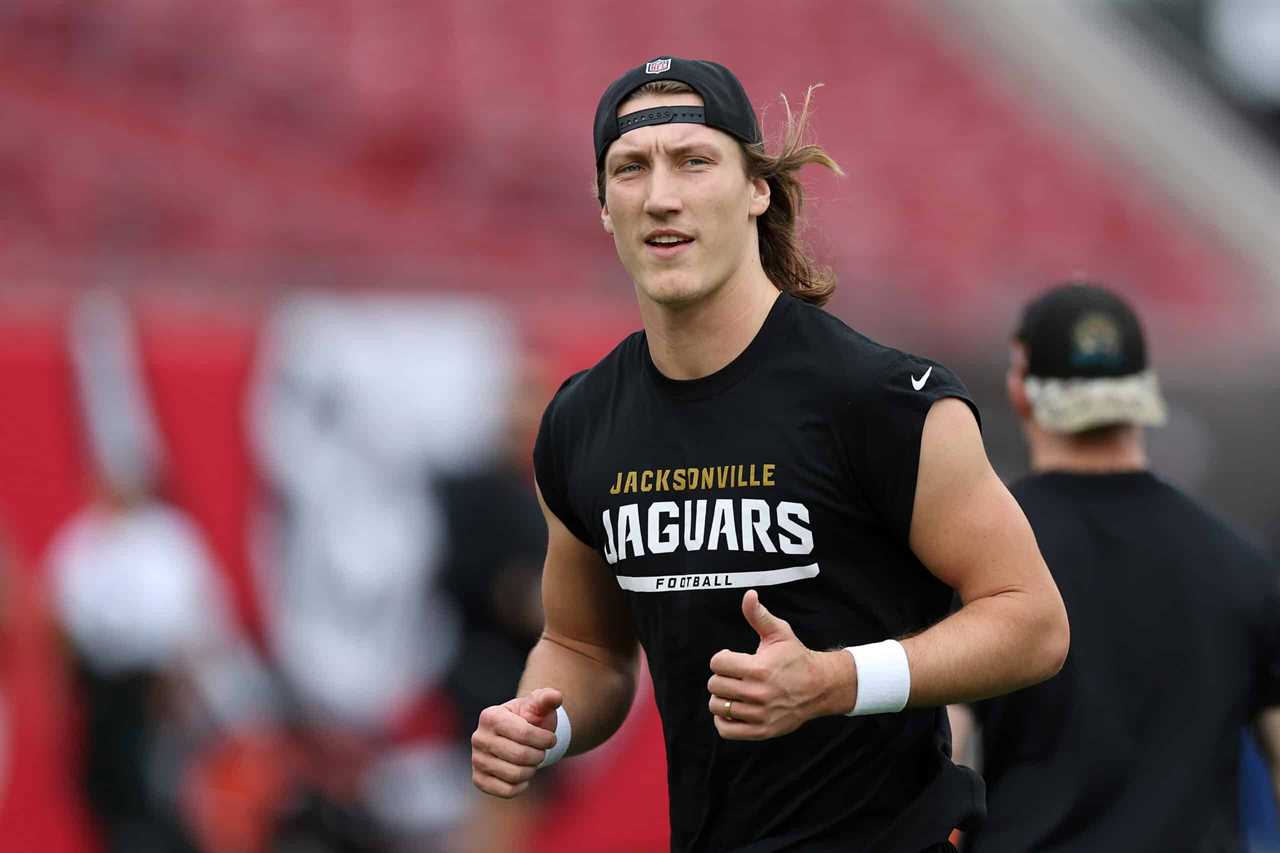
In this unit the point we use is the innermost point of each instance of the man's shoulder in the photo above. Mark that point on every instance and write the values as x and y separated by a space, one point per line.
1143 501
1034 486
854 360
1248 553
1055 512
584 390
824 329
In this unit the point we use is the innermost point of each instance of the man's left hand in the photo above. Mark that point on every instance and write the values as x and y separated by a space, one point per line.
780 687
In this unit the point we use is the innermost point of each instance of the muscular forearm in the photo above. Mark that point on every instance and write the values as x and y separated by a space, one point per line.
970 533
992 645
598 688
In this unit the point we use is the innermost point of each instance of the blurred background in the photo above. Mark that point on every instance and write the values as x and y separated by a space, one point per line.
285 285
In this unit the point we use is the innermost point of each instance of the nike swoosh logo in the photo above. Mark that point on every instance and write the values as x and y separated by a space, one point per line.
919 383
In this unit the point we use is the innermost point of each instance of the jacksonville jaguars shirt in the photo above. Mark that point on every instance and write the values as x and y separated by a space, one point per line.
791 471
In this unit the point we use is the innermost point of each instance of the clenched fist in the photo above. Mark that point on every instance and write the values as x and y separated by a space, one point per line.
511 740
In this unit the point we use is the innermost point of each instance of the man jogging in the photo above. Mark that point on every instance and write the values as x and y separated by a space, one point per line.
775 507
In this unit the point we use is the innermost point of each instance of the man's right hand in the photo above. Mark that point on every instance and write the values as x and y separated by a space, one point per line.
511 740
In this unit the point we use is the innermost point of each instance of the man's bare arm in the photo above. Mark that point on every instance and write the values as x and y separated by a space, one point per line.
968 530
585 661
588 648
970 533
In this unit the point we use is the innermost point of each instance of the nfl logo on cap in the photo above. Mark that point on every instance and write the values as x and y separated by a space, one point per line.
658 66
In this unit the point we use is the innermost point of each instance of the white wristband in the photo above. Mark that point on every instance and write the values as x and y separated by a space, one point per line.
563 732
884 678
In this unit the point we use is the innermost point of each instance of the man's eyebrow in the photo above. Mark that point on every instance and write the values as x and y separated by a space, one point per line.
678 150
692 147
616 154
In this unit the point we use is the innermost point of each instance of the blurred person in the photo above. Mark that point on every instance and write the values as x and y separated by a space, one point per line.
138 600
496 581
1135 744
158 661
362 407
750 474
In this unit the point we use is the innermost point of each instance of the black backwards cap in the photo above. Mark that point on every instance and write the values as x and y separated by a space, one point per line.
725 105
1087 361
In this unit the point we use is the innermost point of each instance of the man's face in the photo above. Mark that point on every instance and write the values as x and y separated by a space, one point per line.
679 205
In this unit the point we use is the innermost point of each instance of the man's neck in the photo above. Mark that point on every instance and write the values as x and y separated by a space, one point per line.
1111 452
696 340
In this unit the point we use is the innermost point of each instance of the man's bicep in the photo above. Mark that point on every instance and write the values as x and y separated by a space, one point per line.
966 528
583 605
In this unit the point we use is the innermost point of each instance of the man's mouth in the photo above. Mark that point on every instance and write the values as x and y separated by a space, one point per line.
667 240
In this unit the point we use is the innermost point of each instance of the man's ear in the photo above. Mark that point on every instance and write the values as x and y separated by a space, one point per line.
605 219
760 196
1015 381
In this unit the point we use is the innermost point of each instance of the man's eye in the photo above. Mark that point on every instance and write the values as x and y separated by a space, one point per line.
627 167
697 161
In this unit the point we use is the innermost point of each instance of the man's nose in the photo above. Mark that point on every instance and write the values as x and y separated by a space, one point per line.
663 197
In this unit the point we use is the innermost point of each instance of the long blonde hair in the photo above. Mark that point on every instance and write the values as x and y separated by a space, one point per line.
782 254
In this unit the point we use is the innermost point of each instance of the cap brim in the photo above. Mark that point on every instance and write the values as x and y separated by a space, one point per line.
1076 404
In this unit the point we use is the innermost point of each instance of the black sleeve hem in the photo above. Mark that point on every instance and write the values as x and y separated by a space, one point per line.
882 430
549 473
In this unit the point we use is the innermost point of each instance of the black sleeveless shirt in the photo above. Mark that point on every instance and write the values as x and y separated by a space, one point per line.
791 471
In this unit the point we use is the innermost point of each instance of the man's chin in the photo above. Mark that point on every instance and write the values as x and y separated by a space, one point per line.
675 294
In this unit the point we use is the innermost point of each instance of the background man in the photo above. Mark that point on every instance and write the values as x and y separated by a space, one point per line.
1135 744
